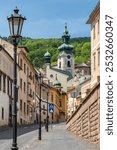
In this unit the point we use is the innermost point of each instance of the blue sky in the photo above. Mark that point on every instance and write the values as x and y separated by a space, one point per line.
46 18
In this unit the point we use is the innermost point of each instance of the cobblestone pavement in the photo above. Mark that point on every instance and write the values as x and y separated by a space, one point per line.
56 139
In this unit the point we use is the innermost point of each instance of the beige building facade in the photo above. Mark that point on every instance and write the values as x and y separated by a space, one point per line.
85 121
29 90
25 83
26 93
6 87
94 21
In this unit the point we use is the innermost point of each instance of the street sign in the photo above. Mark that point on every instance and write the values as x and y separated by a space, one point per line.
51 107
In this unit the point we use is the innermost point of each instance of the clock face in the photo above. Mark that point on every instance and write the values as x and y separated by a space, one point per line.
68 56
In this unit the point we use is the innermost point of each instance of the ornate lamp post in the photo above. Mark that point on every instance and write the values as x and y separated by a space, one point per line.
47 112
15 25
47 117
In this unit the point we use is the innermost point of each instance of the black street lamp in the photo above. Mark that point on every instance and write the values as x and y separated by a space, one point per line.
47 113
47 117
40 82
15 25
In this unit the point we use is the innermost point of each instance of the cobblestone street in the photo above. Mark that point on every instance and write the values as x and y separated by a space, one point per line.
57 138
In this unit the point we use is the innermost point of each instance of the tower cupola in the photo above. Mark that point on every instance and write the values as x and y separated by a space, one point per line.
47 57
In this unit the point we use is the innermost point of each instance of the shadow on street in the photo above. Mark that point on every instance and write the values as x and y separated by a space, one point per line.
6 133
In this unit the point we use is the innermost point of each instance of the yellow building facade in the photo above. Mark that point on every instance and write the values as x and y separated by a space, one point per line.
58 98
27 81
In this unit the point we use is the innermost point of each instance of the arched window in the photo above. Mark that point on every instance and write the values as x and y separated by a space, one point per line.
59 64
68 64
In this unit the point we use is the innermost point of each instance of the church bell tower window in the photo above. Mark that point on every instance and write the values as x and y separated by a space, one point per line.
68 57
59 64
68 64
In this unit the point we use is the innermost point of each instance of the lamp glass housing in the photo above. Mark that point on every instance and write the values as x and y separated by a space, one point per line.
16 23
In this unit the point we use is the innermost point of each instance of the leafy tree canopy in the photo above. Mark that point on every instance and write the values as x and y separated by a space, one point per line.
38 47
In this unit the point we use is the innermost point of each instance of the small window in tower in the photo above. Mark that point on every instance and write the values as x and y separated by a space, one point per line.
68 64
51 75
59 64
2 113
68 56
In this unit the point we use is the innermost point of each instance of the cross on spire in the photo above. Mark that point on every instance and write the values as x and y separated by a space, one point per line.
65 26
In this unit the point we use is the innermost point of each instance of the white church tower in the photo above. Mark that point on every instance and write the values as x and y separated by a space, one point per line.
66 57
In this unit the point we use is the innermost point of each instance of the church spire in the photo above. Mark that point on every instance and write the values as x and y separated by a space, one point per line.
66 56
66 36
66 27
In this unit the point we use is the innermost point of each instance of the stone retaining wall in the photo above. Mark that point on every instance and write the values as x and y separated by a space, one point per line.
85 120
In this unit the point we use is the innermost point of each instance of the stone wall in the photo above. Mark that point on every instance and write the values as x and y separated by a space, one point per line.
85 120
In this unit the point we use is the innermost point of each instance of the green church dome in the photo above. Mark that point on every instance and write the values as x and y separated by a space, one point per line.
47 54
66 47
57 84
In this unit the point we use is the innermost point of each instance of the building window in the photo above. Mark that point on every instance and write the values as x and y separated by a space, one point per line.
24 107
31 92
11 88
68 64
20 104
24 87
98 26
27 109
51 76
8 86
2 113
99 56
30 75
20 120
68 57
27 89
94 32
60 103
0 82
4 83
44 113
27 71
21 63
94 61
21 83
52 97
24 68
59 64
33 78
